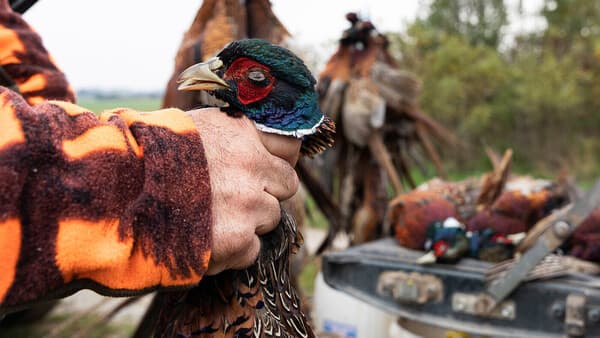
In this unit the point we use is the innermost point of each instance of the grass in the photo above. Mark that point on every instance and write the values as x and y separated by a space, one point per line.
315 218
307 277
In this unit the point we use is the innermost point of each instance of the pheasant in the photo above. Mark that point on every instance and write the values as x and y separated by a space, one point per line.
381 131
270 85
217 23
275 89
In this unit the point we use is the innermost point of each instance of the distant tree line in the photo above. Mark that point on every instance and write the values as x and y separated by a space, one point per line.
539 94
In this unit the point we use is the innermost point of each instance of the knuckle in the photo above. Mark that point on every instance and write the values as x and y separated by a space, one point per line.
274 213
244 237
290 183
269 218
248 256
295 183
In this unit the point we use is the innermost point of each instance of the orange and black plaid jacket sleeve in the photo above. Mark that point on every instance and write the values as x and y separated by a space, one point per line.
118 203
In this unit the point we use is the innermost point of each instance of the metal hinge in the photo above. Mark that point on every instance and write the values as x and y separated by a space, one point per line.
411 287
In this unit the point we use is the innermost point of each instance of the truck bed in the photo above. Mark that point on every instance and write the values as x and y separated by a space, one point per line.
385 275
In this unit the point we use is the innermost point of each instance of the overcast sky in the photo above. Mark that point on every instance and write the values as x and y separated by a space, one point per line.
131 44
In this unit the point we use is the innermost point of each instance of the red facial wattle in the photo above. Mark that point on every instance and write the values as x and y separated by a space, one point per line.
247 90
440 247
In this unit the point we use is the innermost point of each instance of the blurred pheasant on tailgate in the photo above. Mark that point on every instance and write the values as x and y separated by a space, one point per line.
275 89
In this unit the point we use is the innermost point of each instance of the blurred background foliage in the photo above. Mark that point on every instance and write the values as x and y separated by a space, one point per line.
536 92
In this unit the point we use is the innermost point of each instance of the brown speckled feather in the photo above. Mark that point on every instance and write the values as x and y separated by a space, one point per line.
256 302
322 139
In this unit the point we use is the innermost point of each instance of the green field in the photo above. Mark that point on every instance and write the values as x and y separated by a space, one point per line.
137 103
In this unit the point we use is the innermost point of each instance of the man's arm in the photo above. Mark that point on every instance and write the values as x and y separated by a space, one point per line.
123 203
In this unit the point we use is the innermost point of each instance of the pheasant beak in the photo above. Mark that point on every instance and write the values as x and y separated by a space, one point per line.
202 76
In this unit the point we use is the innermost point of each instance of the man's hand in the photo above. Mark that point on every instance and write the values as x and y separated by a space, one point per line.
250 173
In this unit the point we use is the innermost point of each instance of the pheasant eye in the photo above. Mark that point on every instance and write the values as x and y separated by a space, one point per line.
256 76
253 80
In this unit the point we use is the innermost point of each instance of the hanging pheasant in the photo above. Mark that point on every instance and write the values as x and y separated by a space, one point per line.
381 129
